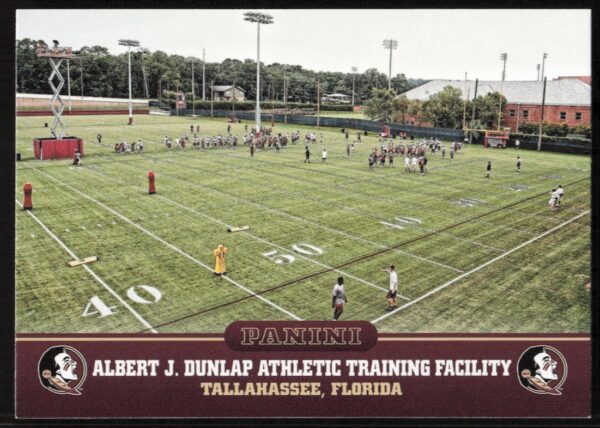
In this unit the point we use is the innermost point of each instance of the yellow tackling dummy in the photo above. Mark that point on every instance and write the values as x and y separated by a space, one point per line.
219 254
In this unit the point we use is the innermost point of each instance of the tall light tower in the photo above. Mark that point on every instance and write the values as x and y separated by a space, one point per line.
129 43
543 64
192 59
391 45
503 57
354 70
259 18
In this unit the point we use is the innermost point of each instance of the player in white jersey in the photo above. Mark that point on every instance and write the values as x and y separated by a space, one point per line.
559 193
413 163
393 290
553 200
406 163
339 298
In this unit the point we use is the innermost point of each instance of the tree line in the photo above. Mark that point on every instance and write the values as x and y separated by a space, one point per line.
445 109
98 73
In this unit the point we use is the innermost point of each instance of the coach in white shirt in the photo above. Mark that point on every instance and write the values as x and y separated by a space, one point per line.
391 295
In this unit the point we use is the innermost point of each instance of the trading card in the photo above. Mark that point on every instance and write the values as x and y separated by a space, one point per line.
303 213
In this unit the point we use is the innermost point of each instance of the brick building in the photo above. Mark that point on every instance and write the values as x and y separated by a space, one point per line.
568 99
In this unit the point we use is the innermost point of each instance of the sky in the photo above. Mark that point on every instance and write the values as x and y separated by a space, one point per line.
432 44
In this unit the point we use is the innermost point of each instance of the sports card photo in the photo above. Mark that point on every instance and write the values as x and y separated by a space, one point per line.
303 213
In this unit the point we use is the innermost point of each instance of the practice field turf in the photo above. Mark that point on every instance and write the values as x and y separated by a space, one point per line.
473 254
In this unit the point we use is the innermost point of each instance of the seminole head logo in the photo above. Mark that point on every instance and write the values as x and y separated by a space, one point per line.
62 370
542 370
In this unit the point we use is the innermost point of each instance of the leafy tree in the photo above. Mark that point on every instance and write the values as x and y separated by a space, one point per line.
382 105
486 109
415 109
400 106
445 108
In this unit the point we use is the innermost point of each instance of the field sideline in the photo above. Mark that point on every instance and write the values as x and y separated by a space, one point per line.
472 254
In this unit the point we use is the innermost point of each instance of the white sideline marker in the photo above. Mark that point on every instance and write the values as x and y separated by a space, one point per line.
91 272
458 278
171 246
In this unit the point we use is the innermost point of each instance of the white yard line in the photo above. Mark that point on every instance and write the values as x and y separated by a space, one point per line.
91 272
278 246
169 245
356 237
220 222
458 278
339 232
449 235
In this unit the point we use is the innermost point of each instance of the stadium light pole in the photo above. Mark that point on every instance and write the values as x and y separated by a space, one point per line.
129 43
539 144
503 57
259 18
543 64
391 45
354 70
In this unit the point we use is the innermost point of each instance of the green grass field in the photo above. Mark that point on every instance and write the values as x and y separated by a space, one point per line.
500 263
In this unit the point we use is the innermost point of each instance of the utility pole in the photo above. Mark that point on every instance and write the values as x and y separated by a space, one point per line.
177 98
203 77
284 97
81 74
503 57
318 101
212 98
466 97
539 145
69 85
273 103
160 92
544 56
354 70
129 43
146 91
473 113
233 101
193 91
391 45
192 60
259 18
